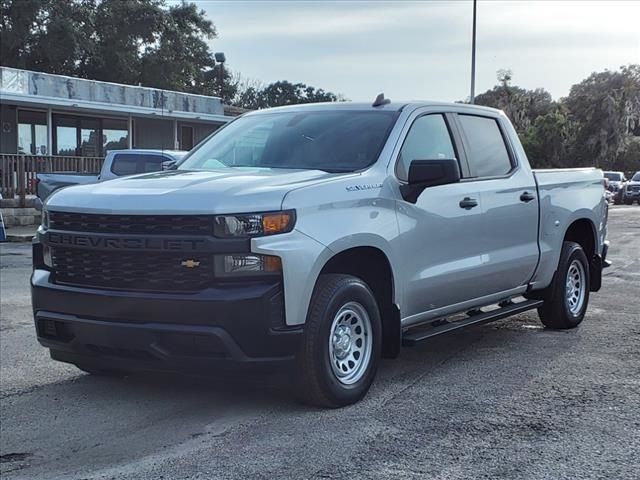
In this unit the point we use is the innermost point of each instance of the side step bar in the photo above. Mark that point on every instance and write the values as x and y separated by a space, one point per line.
477 318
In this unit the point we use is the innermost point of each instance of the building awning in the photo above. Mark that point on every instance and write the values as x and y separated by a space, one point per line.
43 90
103 108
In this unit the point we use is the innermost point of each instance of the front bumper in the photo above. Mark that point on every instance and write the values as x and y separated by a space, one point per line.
632 194
227 326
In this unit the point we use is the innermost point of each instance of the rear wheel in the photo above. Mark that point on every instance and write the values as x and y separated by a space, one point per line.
342 342
567 298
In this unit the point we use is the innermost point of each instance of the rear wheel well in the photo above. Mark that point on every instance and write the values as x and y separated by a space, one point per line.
371 265
582 232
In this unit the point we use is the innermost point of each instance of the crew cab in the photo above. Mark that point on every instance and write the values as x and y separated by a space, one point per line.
317 238
117 163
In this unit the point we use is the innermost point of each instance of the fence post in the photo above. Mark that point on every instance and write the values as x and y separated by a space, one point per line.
21 181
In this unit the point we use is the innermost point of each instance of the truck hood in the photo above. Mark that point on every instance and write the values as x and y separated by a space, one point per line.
229 190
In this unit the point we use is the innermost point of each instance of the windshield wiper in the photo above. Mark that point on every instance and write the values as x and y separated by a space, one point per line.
294 167
335 170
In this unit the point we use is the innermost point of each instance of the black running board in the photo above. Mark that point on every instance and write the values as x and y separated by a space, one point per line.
440 327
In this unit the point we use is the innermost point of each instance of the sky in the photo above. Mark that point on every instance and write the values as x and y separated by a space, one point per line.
422 49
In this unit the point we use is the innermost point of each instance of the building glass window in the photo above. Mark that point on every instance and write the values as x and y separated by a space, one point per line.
32 133
115 135
88 137
65 138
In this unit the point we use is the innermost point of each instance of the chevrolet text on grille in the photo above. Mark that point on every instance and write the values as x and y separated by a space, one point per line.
115 243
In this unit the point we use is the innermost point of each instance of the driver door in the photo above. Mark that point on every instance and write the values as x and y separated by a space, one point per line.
439 249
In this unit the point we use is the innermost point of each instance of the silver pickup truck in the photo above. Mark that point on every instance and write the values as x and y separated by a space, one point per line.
319 238
117 163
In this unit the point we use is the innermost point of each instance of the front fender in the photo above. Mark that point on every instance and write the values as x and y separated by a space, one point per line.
302 260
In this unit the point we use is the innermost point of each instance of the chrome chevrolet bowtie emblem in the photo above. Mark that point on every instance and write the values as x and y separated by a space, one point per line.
190 263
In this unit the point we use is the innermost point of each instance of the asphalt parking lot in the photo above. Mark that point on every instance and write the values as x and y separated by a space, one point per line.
505 400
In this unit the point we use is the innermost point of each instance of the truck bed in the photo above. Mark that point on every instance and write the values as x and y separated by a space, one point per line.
49 182
566 195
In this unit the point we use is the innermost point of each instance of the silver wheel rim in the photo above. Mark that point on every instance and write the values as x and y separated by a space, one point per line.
575 287
350 343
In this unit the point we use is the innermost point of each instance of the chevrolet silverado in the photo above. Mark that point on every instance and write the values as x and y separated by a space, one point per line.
317 238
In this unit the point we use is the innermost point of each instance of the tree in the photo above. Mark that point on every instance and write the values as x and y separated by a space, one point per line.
134 42
598 124
549 140
182 58
131 42
606 108
252 95
45 35
629 160
520 105
120 48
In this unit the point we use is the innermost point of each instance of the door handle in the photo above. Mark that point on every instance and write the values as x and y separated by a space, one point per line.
468 203
527 197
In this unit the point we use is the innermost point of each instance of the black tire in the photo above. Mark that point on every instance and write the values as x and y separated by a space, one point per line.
102 372
317 384
628 202
556 311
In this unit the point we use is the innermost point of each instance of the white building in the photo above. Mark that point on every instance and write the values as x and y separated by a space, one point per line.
44 114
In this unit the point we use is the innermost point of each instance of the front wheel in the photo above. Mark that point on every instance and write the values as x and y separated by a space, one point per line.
342 342
566 300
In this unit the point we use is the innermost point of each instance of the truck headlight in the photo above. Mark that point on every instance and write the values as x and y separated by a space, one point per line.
47 258
253 224
45 218
247 264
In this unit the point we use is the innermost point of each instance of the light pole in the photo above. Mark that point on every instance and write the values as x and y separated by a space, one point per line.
220 58
473 55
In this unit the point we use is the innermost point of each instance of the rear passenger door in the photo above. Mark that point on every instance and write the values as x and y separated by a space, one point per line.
508 237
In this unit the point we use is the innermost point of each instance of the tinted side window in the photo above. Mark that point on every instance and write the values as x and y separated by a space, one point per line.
152 163
488 156
428 139
125 164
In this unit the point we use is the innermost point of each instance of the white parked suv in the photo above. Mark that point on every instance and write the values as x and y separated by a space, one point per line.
320 238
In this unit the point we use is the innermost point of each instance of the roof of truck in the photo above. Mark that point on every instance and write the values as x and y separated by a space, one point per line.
392 106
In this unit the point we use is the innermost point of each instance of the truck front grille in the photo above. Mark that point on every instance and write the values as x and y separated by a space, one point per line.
132 224
132 271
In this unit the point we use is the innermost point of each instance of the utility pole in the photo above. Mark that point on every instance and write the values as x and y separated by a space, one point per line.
473 55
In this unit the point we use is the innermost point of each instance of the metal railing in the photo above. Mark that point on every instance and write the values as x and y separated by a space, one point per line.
18 172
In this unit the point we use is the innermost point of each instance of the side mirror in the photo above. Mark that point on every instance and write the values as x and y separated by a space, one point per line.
429 173
169 165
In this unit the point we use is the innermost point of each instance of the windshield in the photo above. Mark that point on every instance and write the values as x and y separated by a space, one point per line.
636 177
334 141
613 176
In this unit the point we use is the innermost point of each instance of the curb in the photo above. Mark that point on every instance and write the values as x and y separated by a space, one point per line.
19 237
